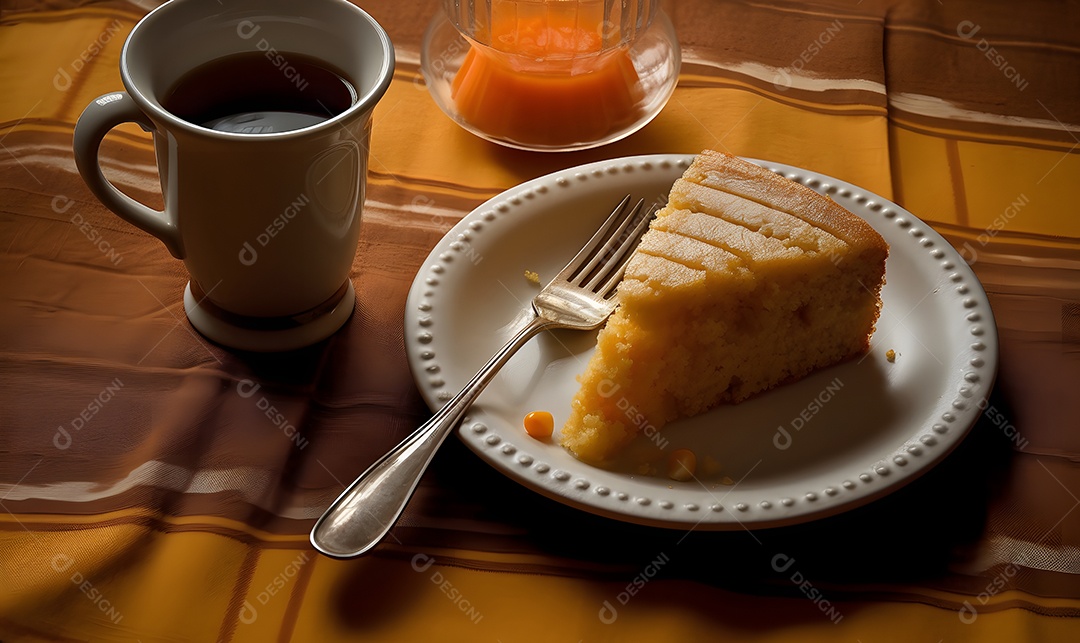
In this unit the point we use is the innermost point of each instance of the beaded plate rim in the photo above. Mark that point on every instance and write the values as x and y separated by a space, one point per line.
599 491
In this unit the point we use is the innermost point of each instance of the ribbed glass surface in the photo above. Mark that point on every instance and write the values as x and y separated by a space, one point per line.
614 22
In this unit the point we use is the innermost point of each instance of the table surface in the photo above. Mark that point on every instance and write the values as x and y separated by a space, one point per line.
147 495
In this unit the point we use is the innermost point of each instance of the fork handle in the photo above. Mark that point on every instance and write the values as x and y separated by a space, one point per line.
364 513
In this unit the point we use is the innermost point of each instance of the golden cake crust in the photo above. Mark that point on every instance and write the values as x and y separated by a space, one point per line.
731 174
744 281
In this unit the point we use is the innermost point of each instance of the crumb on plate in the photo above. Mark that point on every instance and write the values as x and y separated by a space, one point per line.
681 465
710 467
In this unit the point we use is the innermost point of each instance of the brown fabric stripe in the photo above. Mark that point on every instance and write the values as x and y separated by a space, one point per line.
951 31
53 11
1058 140
1037 24
1038 583
34 129
848 102
952 153
157 522
119 33
9 628
349 413
239 594
896 169
785 35
525 516
296 599
1040 245
1013 80
419 184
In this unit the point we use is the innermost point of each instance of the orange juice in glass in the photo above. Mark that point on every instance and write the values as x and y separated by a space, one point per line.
551 75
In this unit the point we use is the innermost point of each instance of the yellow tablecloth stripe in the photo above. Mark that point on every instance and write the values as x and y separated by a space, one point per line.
119 581
173 578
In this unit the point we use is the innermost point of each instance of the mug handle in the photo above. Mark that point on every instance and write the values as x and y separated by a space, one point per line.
100 116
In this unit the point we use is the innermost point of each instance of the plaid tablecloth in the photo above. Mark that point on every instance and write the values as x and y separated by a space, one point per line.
148 494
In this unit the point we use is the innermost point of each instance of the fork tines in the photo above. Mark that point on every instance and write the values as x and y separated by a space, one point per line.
610 248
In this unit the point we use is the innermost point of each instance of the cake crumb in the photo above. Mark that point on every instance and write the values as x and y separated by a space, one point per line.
727 480
710 467
646 469
534 277
890 355
681 465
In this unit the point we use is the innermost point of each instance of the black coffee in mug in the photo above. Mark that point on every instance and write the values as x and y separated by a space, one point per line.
253 93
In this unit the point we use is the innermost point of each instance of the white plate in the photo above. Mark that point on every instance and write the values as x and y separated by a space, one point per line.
849 434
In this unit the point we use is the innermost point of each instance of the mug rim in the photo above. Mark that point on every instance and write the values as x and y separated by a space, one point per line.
364 102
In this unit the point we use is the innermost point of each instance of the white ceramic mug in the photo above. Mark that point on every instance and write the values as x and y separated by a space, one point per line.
266 223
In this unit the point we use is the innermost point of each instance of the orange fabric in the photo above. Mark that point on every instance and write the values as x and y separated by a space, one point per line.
146 494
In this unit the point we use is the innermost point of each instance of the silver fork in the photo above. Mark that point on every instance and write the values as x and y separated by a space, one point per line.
580 297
